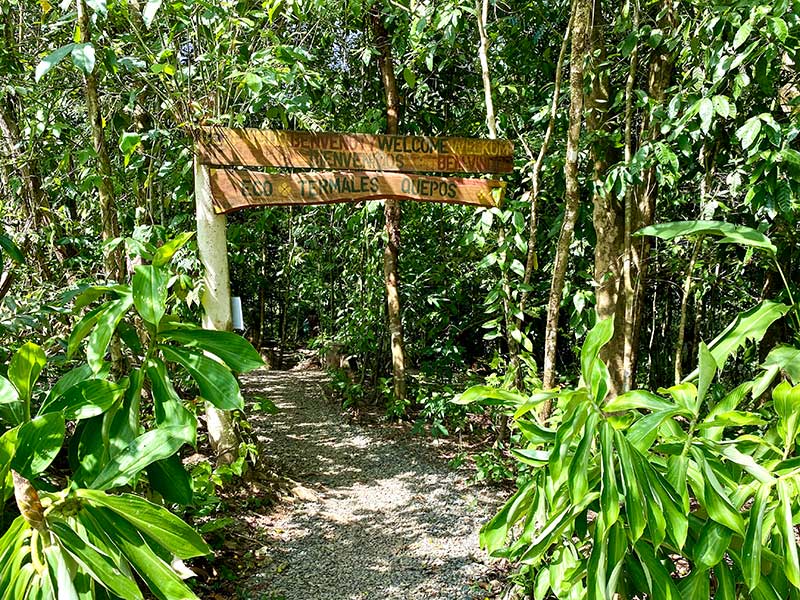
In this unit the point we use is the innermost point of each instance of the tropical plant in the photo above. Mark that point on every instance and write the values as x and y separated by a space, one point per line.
74 542
669 494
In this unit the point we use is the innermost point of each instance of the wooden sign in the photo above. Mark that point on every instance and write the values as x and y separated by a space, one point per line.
236 189
224 147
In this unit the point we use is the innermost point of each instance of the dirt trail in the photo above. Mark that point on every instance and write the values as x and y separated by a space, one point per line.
382 518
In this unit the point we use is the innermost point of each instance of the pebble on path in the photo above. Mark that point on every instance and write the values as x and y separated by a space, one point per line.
379 517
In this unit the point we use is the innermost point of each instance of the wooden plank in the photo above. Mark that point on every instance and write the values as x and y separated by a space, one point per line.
236 189
352 151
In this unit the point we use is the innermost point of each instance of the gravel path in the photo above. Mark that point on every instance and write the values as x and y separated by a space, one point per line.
381 517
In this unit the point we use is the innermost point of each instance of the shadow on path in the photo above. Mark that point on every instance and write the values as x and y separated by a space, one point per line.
389 520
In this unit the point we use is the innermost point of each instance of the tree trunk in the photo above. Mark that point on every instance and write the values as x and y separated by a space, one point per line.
531 261
572 197
216 300
391 209
113 259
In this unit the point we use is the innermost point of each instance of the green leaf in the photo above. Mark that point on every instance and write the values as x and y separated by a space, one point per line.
150 293
12 409
489 395
751 548
644 431
742 34
24 369
784 358
83 57
730 233
707 370
107 322
165 253
155 521
748 132
785 521
717 502
493 534
706 110
578 479
128 143
726 583
85 400
149 12
712 544
216 383
59 572
38 443
83 328
51 60
554 527
159 577
636 399
597 337
149 447
660 583
95 562
10 248
609 492
169 409
232 349
634 498
170 479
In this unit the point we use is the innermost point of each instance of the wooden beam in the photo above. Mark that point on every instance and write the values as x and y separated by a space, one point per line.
236 189
225 147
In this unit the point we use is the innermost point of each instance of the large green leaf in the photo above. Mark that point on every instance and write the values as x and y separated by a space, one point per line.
51 60
24 369
83 57
169 410
150 293
728 232
38 443
784 518
578 479
165 253
751 548
12 409
597 337
216 382
149 447
85 400
634 498
751 324
783 358
9 247
717 500
170 479
637 399
609 492
104 329
84 328
490 395
59 572
155 521
712 544
232 349
159 577
493 534
94 561
660 583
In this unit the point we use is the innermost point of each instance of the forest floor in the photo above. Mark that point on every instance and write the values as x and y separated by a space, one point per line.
374 512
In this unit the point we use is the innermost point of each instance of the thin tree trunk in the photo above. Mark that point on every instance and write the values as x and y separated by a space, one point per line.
391 209
572 197
687 288
531 261
113 259
482 12
628 332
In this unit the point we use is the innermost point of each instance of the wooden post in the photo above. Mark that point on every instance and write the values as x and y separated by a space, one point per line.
216 301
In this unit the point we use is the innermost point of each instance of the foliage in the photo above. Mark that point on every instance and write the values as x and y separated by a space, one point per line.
81 540
626 490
